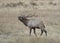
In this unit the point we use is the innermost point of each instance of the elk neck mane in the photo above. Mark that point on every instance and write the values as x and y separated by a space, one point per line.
25 21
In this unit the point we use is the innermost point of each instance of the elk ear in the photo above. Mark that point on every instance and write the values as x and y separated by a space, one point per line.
19 17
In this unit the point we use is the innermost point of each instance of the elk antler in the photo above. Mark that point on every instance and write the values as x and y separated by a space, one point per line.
29 15
32 16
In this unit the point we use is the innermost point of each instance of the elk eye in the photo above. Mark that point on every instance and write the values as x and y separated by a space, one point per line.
21 18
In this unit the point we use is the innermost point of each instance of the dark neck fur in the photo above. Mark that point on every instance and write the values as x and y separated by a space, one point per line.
25 21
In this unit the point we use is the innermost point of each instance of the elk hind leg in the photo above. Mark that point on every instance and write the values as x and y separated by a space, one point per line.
41 32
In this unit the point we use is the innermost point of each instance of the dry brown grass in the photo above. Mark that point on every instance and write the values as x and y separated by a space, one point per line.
13 31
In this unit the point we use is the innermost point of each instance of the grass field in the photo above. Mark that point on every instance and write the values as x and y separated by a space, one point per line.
13 31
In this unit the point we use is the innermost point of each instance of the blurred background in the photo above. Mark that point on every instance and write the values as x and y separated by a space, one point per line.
13 31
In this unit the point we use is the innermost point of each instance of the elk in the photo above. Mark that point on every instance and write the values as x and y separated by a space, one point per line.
33 24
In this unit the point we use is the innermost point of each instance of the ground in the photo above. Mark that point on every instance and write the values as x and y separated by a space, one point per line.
14 31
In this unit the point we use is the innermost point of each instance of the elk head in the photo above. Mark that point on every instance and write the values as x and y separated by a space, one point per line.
24 17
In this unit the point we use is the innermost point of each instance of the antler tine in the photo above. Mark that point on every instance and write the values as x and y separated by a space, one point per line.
22 15
32 16
29 15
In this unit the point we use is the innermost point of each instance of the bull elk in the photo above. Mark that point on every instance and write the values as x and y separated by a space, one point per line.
33 24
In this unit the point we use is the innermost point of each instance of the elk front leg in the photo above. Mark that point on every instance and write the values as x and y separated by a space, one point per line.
30 31
35 31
